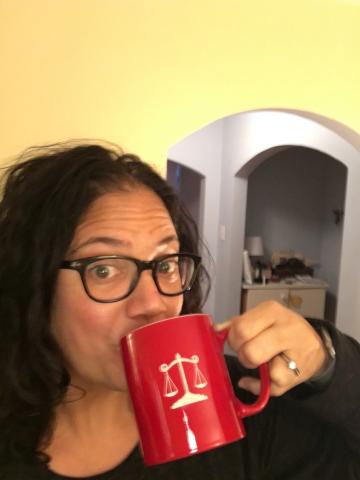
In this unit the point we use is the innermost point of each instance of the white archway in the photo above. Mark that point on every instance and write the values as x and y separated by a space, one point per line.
226 151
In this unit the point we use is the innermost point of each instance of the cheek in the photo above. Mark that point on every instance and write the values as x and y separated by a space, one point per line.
75 318
176 305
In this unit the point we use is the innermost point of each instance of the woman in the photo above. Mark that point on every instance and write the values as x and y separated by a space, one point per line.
69 216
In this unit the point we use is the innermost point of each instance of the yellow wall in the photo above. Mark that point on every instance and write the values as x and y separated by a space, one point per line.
145 73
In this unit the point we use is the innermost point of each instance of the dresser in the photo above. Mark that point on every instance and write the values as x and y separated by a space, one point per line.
307 299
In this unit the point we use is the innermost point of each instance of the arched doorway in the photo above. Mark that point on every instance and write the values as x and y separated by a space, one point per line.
295 203
226 152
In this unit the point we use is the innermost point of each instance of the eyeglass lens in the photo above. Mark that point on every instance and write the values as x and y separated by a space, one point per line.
113 278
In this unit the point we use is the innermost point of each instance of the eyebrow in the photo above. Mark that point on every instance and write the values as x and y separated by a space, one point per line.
115 242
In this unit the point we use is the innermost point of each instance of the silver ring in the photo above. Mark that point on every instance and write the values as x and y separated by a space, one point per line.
291 364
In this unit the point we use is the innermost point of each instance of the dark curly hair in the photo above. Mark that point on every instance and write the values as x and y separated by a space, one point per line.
44 195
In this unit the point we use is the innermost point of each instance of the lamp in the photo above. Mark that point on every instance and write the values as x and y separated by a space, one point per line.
254 245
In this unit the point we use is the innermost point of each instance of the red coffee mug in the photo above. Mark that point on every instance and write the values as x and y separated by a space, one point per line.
181 390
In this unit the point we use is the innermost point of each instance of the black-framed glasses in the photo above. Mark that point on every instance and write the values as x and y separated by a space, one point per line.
110 278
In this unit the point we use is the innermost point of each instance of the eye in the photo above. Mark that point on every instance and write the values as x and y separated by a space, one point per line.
102 271
111 270
167 266
110 278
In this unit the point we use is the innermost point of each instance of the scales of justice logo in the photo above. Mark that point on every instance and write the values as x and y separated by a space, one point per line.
198 381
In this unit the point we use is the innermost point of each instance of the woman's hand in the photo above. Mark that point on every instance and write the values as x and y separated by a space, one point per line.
262 333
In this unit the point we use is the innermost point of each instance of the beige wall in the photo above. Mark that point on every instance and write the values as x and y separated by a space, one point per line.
146 73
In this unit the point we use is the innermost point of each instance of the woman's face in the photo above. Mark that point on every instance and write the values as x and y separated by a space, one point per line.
134 223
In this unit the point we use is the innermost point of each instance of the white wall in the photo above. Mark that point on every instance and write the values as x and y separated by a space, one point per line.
229 151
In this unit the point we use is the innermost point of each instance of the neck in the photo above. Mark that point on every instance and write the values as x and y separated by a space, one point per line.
82 412
99 422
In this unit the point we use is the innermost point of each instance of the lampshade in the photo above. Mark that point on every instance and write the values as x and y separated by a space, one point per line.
254 246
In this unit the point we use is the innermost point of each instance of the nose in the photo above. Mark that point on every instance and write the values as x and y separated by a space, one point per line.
146 303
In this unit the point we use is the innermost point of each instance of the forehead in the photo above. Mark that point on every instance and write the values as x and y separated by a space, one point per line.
136 209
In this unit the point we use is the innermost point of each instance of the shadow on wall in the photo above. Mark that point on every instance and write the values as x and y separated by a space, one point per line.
189 186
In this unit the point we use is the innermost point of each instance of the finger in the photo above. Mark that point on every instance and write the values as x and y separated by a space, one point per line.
253 385
250 384
265 346
282 373
282 378
298 340
219 327
248 325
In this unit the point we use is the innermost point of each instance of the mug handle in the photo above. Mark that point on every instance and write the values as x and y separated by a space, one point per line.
244 409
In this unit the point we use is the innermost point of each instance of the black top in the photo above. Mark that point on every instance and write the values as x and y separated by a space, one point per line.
131 467
302 435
